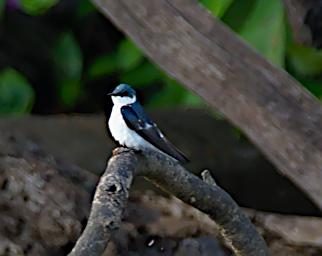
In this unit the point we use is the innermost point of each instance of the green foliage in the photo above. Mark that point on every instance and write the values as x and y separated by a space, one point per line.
133 68
69 92
259 22
143 75
174 94
125 59
2 5
265 30
129 56
304 60
237 14
85 7
217 7
68 57
314 85
263 25
103 66
16 94
305 65
68 64
37 7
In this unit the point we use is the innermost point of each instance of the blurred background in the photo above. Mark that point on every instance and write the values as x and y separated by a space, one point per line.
59 59
63 56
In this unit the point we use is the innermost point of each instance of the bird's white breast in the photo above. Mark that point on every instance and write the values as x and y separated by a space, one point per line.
123 134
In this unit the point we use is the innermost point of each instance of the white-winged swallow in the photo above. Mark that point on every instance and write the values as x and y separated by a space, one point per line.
131 127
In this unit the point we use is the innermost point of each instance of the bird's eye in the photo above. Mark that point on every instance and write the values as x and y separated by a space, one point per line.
124 94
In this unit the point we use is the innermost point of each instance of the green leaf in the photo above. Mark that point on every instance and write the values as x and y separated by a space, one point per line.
69 92
265 30
16 94
192 100
85 7
68 57
143 75
237 14
314 86
68 63
304 60
2 5
37 7
174 94
103 66
217 7
171 94
129 56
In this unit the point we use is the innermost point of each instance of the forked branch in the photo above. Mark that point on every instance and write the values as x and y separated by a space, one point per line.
112 193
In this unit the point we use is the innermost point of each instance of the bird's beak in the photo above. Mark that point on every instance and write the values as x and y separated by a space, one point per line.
111 94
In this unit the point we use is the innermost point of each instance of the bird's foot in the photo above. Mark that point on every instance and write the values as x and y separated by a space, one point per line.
120 150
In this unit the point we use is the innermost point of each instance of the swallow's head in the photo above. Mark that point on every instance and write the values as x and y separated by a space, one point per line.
123 94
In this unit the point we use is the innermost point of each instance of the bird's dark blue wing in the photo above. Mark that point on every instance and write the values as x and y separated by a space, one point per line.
137 120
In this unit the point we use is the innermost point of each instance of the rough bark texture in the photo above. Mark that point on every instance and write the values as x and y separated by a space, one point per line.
295 230
113 188
107 207
42 206
273 110
210 199
152 224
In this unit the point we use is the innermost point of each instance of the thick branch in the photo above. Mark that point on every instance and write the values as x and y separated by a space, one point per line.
294 230
107 207
112 192
272 109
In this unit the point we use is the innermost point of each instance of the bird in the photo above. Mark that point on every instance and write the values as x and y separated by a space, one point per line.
131 127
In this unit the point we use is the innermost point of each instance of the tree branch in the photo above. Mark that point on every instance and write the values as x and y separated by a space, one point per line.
112 192
107 207
270 107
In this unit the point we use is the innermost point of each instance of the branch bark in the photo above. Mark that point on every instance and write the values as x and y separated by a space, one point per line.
270 107
112 192
294 230
43 202
107 207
